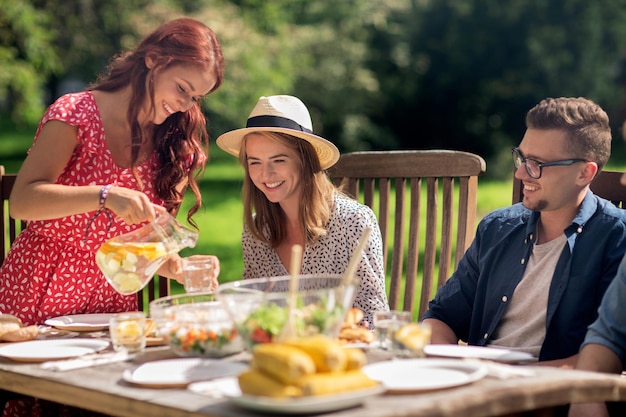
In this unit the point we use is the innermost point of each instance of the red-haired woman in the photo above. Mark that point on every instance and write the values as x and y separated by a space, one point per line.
104 162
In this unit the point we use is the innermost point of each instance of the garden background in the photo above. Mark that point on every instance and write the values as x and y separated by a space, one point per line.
375 74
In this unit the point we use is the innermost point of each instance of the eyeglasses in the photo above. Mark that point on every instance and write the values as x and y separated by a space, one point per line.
533 167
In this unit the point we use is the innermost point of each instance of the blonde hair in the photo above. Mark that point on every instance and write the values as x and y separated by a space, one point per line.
266 220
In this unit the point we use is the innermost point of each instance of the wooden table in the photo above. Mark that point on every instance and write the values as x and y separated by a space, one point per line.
102 389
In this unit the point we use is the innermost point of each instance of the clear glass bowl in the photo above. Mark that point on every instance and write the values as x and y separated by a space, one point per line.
196 325
259 306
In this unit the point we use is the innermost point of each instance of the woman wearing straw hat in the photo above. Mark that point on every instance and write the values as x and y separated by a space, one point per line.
289 200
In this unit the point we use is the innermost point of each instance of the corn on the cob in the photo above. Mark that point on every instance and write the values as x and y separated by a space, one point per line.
253 382
355 358
329 383
328 355
284 363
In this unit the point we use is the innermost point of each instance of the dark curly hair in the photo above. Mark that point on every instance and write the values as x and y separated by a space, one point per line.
182 141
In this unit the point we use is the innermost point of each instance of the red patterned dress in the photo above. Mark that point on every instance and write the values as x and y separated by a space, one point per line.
50 270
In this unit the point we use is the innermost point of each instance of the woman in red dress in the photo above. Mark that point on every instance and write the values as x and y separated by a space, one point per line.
104 162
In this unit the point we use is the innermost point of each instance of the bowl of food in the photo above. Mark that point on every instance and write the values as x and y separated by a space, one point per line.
196 325
259 307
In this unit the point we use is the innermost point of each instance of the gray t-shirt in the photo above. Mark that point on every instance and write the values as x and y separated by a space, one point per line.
523 326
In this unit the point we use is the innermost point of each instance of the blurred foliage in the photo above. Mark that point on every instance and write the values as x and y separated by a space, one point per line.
28 57
375 74
467 71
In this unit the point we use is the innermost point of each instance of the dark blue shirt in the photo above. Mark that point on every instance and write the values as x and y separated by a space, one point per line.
609 329
474 299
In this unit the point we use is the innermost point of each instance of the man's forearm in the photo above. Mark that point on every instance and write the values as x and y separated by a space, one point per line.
441 332
599 358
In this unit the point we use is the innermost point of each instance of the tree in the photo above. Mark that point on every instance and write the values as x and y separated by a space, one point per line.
28 56
462 73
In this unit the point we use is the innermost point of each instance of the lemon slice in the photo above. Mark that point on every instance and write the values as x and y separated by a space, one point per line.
129 329
127 283
414 336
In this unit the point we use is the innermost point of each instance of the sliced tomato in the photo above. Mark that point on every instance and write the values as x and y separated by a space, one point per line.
260 336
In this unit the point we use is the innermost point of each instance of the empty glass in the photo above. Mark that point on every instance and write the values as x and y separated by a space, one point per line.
198 273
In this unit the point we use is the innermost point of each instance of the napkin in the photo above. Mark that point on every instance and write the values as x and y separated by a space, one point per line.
87 361
504 371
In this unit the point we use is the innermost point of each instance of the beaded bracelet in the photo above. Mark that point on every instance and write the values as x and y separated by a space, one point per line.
102 199
104 193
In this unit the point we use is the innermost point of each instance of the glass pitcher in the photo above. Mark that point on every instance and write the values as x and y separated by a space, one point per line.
129 261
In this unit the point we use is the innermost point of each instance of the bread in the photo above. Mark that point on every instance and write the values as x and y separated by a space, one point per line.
356 334
12 330
151 328
353 317
9 323
22 334
352 332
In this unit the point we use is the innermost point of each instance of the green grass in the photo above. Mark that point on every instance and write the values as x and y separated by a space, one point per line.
220 219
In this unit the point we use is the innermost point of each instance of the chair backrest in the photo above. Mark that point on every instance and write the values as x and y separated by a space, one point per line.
451 179
10 226
607 185
157 287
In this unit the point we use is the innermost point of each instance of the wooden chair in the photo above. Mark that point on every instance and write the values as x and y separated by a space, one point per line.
157 287
451 182
606 185
11 227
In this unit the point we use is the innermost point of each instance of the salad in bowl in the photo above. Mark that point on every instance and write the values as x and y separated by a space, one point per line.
259 307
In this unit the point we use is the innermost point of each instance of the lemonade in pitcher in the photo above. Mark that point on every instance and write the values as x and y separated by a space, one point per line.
129 261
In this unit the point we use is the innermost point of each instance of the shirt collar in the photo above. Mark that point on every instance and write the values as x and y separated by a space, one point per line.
586 210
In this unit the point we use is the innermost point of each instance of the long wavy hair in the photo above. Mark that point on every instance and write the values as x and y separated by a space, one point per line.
266 220
182 141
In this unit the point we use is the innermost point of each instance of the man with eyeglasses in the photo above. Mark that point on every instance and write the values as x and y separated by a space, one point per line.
533 277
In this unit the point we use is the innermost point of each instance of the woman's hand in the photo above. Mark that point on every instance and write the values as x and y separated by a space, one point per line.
132 206
173 268
200 272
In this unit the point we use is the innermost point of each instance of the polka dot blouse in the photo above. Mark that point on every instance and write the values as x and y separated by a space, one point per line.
331 254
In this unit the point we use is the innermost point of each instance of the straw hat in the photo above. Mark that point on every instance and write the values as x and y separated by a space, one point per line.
283 114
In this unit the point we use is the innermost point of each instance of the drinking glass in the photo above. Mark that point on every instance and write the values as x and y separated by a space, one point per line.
385 325
128 331
410 339
198 273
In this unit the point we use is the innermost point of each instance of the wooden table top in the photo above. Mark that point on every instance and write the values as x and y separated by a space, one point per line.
101 388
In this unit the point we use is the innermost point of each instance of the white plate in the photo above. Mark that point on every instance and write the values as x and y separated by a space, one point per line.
45 350
417 375
306 405
478 352
362 345
181 372
81 322
47 332
217 388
